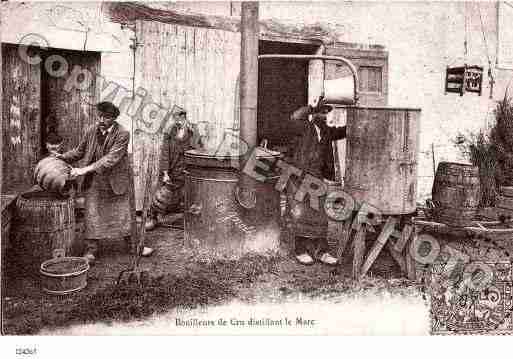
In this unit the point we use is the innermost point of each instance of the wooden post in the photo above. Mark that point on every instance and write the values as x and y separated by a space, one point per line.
403 240
380 242
397 256
359 250
410 261
344 238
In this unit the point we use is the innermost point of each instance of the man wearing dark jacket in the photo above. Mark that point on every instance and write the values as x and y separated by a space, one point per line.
314 155
108 193
170 196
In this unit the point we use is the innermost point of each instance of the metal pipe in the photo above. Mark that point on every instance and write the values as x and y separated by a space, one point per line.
249 73
248 91
320 57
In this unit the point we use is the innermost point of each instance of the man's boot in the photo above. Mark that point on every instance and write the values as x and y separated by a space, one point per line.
152 222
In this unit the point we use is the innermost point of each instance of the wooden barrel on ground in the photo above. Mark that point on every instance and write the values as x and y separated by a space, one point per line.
456 193
381 158
52 174
42 224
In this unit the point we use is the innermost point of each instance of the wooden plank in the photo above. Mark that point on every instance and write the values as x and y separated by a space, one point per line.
269 29
403 240
218 84
358 251
410 261
399 259
190 102
344 238
199 70
378 245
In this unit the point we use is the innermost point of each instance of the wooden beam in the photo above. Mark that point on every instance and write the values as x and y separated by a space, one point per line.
129 12
410 261
359 251
399 259
380 242
344 238
403 239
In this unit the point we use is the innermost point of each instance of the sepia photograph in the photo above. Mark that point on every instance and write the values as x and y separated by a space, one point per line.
267 168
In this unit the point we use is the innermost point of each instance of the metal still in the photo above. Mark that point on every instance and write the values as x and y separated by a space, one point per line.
216 225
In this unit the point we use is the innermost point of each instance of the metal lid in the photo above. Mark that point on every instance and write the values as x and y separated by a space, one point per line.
213 159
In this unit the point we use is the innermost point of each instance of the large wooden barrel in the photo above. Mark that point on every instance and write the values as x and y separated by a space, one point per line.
42 224
52 174
456 193
216 225
381 158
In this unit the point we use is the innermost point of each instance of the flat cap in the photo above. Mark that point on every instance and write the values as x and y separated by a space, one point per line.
108 108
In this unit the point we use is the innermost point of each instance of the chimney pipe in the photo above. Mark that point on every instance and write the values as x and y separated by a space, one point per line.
250 30
249 73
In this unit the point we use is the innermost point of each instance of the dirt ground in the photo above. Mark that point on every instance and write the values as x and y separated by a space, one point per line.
178 280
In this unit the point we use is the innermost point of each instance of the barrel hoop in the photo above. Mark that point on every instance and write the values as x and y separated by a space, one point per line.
62 292
212 179
33 230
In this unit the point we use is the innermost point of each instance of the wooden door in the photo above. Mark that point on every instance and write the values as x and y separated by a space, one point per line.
73 107
21 120
191 67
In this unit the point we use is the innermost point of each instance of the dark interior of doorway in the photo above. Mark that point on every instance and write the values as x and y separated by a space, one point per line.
71 106
282 88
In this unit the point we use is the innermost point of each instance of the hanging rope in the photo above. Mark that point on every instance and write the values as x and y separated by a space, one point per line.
490 75
465 42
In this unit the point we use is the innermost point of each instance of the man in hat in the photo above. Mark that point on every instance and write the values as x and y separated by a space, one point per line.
108 193
313 155
169 198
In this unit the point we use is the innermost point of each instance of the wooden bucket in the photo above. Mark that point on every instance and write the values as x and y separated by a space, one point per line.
456 193
52 174
63 275
42 223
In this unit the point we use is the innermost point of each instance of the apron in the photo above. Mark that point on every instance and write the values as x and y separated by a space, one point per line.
107 215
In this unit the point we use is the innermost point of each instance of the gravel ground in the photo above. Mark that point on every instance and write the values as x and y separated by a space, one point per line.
179 285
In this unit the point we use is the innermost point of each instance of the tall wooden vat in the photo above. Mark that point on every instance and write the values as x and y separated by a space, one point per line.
216 225
381 157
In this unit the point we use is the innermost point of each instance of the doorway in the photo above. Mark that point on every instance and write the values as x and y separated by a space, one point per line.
282 88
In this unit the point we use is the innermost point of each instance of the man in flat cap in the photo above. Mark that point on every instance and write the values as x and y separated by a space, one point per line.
181 137
313 155
104 149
